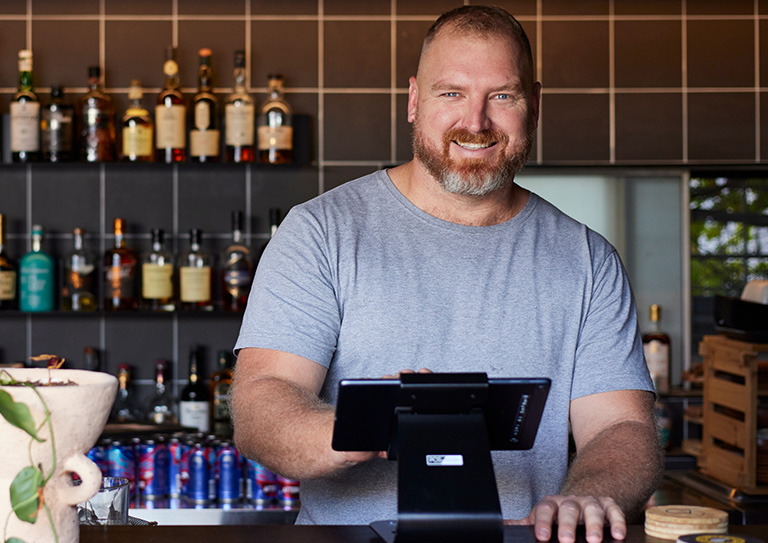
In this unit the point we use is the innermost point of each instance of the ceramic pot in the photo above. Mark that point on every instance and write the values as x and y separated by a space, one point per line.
78 415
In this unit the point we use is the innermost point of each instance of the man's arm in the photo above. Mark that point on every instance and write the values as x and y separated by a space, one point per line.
279 419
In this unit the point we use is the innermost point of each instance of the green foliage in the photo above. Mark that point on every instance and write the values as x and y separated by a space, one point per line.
17 414
25 495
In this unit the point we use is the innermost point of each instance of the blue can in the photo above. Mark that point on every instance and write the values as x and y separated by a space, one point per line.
178 472
121 462
230 474
288 492
153 472
200 476
98 455
260 484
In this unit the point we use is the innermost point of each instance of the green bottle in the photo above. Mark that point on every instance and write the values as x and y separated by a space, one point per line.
36 276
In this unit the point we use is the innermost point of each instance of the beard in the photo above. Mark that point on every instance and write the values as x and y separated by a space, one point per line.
472 177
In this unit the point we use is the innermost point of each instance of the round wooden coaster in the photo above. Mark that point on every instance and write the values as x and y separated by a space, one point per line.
717 538
672 534
677 525
686 514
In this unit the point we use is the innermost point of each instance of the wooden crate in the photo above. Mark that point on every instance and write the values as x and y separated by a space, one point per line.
735 374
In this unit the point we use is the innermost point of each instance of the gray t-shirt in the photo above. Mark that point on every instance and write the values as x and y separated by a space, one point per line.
365 283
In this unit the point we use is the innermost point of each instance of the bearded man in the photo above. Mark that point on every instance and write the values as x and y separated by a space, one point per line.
446 263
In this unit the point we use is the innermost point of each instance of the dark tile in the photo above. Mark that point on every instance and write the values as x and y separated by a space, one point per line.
763 37
518 8
569 7
55 7
305 130
357 127
649 127
338 175
763 126
721 126
13 38
65 336
223 38
205 7
410 35
14 7
65 196
370 56
207 195
142 194
136 50
713 47
121 332
648 54
13 345
530 31
60 60
212 334
138 7
13 197
280 187
575 127
295 59
718 7
425 7
566 46
281 7
355 7
646 7
403 142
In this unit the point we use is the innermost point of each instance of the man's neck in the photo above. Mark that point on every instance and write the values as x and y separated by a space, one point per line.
425 192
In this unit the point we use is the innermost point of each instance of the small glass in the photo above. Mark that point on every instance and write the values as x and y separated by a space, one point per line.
109 505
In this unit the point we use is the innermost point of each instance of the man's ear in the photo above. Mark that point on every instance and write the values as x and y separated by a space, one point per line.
413 98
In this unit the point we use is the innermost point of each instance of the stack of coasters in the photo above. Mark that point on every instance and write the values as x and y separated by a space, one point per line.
673 521
717 538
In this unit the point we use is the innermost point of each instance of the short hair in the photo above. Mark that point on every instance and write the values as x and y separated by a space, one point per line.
483 21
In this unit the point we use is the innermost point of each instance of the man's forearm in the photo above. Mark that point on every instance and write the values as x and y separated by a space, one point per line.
624 462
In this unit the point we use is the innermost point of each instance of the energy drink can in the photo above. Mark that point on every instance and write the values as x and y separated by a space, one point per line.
121 462
98 454
288 493
260 484
153 466
200 476
178 470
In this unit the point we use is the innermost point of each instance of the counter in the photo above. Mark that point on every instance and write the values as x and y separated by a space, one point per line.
319 534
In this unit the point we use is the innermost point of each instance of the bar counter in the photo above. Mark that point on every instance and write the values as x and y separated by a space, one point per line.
323 534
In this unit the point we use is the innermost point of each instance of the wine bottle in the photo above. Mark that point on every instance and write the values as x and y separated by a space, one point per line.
119 273
195 276
160 407
138 128
96 121
36 276
194 406
221 380
204 140
8 299
124 408
78 292
656 347
275 126
171 115
25 114
239 111
236 268
57 128
157 276
91 360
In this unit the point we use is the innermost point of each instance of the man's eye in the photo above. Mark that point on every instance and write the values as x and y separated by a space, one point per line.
503 96
451 94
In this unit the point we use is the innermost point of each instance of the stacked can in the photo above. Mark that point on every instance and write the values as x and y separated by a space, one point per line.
98 454
178 467
201 480
153 470
230 474
121 462
288 493
260 484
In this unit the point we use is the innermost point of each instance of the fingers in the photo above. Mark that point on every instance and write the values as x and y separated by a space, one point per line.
569 512
398 374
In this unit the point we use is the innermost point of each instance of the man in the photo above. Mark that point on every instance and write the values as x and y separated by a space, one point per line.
445 263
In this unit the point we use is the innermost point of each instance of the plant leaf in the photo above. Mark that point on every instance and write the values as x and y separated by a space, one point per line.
13 540
17 414
25 498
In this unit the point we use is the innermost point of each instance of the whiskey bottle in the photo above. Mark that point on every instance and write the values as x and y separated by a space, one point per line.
218 387
656 347
36 276
204 140
91 360
171 115
25 114
138 128
157 276
96 120
195 276
57 128
239 117
78 292
236 268
194 406
124 409
8 298
275 126
119 273
160 408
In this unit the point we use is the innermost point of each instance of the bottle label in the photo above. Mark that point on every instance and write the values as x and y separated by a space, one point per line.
36 284
221 401
240 124
119 281
137 141
194 414
56 131
156 281
25 126
236 279
205 143
195 284
279 137
657 358
202 115
171 126
7 285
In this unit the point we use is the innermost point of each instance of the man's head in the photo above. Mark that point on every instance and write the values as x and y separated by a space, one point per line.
474 103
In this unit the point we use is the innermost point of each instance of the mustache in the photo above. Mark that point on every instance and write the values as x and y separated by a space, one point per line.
484 137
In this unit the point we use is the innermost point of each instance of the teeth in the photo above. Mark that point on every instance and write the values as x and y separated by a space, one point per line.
472 146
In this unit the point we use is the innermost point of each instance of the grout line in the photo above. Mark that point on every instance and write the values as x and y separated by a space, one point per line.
320 98
758 132
611 84
684 68
393 81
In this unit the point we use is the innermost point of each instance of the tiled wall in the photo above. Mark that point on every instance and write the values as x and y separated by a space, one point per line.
626 83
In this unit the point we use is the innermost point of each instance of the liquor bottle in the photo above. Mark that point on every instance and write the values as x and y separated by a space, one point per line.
236 268
221 380
124 409
157 276
160 408
25 114
119 273
138 128
204 139
194 406
91 360
275 126
96 121
195 276
8 298
78 292
37 277
171 115
240 117
656 347
274 222
57 128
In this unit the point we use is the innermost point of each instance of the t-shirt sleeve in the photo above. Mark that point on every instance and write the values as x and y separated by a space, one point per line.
292 306
609 355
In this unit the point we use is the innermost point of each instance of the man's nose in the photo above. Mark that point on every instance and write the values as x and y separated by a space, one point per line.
476 115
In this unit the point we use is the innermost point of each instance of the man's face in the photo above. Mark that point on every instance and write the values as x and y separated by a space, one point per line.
473 111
